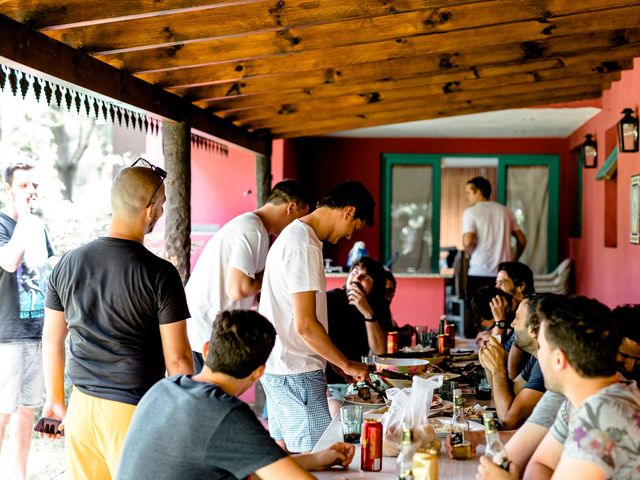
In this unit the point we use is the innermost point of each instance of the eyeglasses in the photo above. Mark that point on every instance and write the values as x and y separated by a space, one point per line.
157 170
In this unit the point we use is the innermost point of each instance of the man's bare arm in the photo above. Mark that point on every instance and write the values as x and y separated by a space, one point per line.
239 285
523 443
12 252
284 469
516 362
178 358
521 243
544 460
54 334
468 242
315 336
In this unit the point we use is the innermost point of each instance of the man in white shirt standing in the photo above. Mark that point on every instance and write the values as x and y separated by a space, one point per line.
228 274
294 299
487 227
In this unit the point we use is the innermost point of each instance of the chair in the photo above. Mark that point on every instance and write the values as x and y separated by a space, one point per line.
556 281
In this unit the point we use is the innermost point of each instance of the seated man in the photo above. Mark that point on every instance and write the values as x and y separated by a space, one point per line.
596 432
515 402
195 427
515 278
358 317
483 313
523 442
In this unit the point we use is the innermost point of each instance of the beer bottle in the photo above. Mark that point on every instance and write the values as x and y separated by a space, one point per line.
460 441
405 458
495 449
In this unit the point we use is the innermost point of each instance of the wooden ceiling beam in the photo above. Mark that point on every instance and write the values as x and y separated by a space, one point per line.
343 64
414 30
267 118
442 83
231 20
38 52
41 14
423 113
317 81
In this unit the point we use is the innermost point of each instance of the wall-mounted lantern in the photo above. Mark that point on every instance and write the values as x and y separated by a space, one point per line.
590 152
628 132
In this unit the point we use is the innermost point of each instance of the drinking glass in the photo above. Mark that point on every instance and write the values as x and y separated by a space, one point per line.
446 391
424 335
483 388
369 361
351 419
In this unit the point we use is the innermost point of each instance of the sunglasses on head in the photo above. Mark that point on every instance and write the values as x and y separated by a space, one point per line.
157 170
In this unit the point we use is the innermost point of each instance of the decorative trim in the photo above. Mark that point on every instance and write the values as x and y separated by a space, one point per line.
61 96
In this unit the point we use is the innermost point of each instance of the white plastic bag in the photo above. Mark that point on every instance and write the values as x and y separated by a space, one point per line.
410 406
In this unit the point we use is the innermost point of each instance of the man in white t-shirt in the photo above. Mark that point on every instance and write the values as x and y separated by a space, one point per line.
228 274
487 228
294 299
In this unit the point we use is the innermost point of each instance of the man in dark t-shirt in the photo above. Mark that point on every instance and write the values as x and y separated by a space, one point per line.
124 310
195 427
24 250
358 314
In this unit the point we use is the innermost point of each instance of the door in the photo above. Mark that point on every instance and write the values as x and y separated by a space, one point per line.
530 187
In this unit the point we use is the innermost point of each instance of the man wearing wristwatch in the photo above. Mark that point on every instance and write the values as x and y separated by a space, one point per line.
359 317
515 400
488 320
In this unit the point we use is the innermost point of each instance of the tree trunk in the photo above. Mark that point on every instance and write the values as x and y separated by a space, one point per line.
176 145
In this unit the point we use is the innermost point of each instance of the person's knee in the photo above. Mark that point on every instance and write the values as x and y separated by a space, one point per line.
4 419
25 413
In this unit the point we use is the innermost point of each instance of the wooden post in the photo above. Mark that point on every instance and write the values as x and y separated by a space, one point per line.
176 146
263 174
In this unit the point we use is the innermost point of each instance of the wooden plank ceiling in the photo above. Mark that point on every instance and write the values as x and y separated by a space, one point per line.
294 68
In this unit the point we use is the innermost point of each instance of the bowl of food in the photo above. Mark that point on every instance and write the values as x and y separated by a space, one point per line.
404 366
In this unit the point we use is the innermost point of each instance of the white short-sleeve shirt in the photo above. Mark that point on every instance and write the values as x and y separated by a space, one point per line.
493 225
294 265
243 243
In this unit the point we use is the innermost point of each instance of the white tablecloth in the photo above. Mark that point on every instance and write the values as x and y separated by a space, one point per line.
448 469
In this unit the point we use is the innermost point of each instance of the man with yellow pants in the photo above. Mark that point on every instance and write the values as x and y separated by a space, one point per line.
124 311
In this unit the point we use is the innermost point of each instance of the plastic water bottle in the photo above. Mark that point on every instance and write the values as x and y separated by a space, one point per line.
358 251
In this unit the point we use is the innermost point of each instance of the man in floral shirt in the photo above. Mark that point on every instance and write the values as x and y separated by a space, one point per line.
596 434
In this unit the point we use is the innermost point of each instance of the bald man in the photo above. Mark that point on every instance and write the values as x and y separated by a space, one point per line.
124 311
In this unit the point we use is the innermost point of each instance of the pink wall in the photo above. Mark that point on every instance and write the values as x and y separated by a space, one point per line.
409 306
224 187
612 275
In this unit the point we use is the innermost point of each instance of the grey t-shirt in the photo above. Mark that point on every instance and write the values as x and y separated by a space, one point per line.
546 410
185 429
605 430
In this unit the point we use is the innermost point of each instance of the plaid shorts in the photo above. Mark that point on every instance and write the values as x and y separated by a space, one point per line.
298 409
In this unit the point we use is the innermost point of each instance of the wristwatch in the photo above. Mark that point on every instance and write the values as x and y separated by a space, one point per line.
371 318
500 324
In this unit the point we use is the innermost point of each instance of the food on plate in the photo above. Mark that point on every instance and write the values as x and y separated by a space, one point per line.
364 393
375 399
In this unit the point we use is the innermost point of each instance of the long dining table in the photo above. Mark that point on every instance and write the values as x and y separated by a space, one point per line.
448 469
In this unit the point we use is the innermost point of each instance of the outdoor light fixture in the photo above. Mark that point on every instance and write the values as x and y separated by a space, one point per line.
628 132
590 152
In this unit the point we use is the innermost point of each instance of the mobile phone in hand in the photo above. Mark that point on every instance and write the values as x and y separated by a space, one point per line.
50 426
